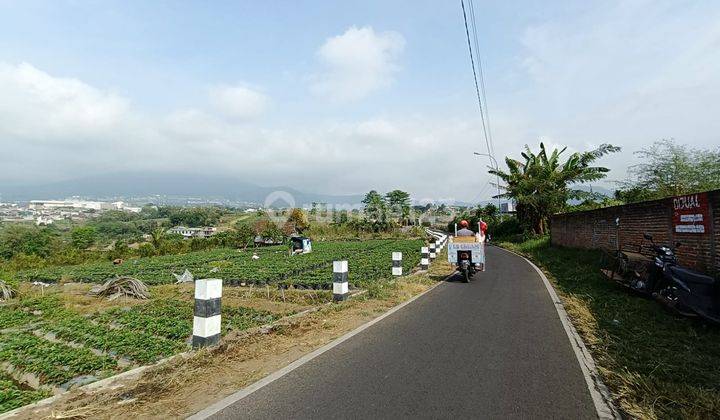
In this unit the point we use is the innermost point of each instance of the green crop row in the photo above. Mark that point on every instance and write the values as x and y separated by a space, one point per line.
11 317
54 363
169 319
138 346
172 319
12 396
142 333
241 318
363 267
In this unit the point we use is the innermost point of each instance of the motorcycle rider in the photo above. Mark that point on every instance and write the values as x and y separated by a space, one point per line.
464 231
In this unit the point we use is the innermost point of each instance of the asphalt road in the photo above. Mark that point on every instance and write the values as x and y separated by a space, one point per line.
493 348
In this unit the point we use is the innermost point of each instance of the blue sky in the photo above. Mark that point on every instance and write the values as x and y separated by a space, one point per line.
373 94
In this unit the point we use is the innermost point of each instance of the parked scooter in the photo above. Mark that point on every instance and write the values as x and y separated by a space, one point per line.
684 290
633 270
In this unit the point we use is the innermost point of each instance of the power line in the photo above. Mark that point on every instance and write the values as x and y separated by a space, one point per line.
482 97
482 76
486 129
475 78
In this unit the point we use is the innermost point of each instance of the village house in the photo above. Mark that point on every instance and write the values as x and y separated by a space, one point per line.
189 232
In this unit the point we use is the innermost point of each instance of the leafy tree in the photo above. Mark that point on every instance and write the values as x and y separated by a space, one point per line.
83 237
298 219
596 201
399 204
199 244
272 231
491 210
146 250
668 169
375 208
289 228
443 210
343 217
261 225
243 235
489 213
120 250
29 240
191 216
541 184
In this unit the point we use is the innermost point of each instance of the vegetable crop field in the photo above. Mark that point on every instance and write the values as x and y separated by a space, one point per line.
47 345
368 261
46 348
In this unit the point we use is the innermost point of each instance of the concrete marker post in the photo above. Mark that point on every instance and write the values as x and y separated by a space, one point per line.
424 258
433 255
397 264
206 320
340 281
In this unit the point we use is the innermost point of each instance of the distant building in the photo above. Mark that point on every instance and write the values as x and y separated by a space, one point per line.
119 205
188 232
43 221
508 207
81 204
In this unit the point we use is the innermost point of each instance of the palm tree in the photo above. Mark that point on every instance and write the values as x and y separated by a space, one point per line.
157 236
540 186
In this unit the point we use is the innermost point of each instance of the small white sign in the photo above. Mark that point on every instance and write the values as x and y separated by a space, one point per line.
690 228
691 217
475 247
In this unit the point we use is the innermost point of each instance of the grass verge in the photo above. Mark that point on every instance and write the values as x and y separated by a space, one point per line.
656 365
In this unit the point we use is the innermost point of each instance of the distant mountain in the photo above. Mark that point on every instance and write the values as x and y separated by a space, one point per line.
141 185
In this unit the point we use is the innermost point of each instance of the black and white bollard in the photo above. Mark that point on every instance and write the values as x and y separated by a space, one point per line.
397 264
433 255
206 322
340 280
424 258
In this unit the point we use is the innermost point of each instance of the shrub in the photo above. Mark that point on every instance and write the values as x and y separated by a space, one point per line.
146 250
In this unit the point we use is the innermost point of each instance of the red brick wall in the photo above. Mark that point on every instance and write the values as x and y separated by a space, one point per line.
596 229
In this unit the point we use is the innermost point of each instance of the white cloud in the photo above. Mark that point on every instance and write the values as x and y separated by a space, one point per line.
56 128
40 108
239 102
357 63
628 70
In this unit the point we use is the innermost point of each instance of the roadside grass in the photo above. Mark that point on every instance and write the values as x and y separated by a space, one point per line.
656 364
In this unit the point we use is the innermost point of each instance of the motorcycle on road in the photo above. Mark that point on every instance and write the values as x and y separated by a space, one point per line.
467 253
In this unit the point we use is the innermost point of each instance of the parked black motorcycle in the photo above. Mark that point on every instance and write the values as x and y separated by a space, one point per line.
684 290
633 269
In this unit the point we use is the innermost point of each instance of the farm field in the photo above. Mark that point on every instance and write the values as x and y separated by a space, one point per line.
369 261
55 338
47 346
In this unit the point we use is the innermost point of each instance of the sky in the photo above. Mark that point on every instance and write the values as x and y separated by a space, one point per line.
344 97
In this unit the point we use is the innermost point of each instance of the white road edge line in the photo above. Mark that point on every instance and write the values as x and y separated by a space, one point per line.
598 391
239 395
